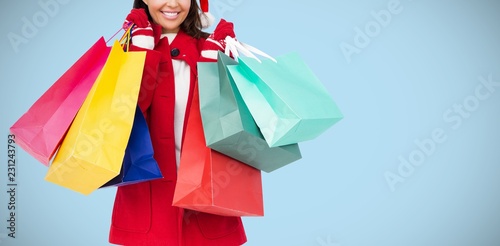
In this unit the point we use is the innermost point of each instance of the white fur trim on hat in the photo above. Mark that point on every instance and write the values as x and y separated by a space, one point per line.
207 19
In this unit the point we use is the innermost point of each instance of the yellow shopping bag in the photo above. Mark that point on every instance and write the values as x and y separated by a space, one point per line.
92 152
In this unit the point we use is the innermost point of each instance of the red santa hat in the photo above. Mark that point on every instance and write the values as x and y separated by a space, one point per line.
207 19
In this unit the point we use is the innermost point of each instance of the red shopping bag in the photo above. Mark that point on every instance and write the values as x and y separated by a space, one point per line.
211 182
41 129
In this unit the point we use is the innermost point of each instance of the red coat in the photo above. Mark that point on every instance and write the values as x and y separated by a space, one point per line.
143 213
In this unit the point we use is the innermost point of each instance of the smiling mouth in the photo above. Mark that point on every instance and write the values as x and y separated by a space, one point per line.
170 14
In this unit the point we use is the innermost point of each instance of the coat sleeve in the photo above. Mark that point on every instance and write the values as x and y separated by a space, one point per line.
149 78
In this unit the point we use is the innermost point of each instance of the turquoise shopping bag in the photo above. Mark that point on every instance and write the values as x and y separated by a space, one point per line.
228 125
286 99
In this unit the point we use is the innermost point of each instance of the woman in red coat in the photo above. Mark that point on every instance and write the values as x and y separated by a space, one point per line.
170 32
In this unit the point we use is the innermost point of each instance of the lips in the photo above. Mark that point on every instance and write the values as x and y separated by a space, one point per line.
170 15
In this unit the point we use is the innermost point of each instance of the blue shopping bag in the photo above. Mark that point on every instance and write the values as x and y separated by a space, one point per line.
138 162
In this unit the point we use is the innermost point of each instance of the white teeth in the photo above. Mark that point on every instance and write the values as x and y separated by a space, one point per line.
170 13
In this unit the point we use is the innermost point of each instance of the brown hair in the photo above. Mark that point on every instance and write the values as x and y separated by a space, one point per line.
192 23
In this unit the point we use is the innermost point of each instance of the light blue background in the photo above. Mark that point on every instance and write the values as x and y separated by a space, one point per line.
395 91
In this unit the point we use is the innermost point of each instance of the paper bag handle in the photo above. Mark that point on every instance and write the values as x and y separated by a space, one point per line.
125 39
233 46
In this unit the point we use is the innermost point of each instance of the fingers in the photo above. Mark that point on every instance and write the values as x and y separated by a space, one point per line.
223 29
138 17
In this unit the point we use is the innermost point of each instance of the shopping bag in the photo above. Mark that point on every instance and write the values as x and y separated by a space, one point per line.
211 182
40 130
138 163
228 125
92 152
286 99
